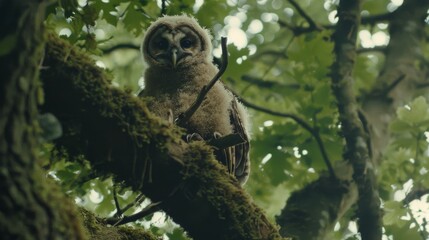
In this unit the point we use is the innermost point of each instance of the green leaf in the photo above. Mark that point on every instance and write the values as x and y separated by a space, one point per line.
393 212
133 19
7 44
417 111
109 11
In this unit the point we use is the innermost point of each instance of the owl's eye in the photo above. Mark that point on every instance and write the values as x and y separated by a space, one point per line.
162 43
186 43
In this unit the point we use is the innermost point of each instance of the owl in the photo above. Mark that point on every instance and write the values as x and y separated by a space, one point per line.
177 51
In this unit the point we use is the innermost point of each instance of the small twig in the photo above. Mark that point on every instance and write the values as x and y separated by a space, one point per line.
151 208
137 202
184 117
313 131
118 208
377 18
298 30
420 229
120 46
268 83
373 49
163 8
301 12
415 194
394 84
119 212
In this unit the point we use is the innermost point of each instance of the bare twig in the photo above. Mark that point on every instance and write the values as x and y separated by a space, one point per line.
268 83
415 194
150 209
313 131
373 49
184 117
120 46
386 89
297 30
301 11
118 208
373 19
163 7
120 211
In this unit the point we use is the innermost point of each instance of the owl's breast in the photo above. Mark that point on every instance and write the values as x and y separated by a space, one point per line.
213 114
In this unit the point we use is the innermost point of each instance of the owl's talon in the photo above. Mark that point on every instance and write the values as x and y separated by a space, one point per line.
217 135
170 116
193 137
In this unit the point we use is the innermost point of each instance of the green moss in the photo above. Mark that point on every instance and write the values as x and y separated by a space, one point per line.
65 220
136 233
98 230
222 191
97 107
118 135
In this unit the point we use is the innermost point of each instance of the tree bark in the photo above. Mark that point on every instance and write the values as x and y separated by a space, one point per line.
119 137
400 79
311 213
357 151
31 207
398 82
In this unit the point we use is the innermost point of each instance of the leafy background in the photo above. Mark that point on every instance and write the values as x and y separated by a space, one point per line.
270 66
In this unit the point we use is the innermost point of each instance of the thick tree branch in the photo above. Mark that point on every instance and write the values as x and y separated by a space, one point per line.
357 149
32 207
119 136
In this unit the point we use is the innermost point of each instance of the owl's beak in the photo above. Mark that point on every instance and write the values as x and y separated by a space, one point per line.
174 57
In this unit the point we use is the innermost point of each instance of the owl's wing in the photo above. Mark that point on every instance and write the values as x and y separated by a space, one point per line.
239 154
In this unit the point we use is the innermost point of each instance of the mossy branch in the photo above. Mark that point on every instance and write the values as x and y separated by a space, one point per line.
119 136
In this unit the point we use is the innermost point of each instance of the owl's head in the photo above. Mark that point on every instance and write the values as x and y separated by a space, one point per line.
176 42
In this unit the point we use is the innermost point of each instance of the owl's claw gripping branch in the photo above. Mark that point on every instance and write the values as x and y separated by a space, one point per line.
184 117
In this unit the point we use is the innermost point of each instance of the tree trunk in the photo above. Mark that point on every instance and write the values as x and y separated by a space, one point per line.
30 208
398 82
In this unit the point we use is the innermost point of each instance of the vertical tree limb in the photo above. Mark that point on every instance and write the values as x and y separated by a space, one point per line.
357 150
31 207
